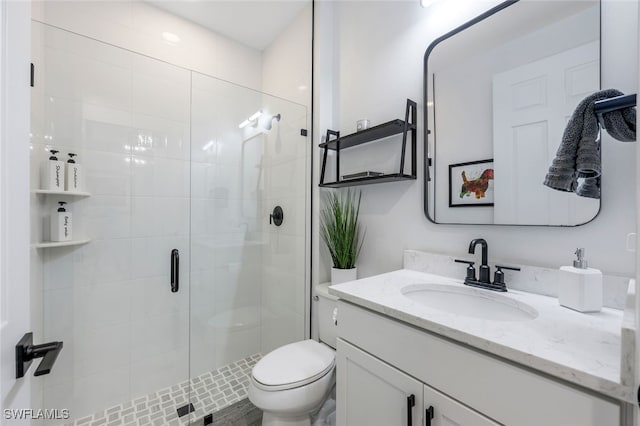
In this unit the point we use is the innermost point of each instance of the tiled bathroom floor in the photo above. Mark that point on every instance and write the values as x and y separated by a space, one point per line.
211 392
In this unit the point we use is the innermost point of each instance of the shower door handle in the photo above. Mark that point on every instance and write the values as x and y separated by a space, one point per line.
175 271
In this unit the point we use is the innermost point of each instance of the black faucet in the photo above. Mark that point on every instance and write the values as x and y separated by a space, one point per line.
484 270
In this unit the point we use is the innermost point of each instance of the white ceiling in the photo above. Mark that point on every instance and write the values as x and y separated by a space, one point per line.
255 23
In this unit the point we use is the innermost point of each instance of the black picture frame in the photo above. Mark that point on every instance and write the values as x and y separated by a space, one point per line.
455 182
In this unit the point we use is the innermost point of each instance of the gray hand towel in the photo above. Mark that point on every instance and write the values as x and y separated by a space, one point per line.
578 155
589 188
621 124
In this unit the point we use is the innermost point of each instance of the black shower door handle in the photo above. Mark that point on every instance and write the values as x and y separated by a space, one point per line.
175 271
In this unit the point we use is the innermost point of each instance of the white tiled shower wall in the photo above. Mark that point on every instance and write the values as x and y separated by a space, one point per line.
286 72
125 334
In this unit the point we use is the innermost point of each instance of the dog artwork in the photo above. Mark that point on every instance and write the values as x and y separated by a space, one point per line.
477 186
471 184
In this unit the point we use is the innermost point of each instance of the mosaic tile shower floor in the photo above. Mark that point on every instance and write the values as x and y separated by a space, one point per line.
209 393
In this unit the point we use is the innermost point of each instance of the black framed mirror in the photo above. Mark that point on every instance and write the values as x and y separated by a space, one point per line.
498 92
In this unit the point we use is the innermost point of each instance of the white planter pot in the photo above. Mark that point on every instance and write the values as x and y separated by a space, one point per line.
343 275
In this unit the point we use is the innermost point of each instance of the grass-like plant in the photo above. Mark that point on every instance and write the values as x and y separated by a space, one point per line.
340 229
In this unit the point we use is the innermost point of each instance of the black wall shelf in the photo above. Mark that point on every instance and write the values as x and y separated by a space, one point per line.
390 128
393 177
381 131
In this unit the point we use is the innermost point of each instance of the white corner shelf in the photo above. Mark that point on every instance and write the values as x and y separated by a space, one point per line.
50 244
54 192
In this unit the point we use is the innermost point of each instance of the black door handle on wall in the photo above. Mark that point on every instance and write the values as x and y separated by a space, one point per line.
26 352
175 271
428 416
411 402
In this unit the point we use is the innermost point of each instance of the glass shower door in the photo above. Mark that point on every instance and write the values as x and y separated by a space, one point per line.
125 333
172 160
248 156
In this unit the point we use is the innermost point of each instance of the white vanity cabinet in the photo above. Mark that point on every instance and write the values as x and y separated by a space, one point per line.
381 361
371 392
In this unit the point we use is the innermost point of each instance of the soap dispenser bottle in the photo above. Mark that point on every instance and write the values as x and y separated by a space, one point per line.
52 174
61 224
73 178
580 287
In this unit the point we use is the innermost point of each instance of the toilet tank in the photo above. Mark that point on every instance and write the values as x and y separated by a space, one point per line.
326 304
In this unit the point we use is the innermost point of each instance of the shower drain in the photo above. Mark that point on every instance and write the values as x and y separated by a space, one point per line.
185 409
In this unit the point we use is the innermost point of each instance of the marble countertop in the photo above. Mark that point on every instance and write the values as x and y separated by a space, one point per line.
584 349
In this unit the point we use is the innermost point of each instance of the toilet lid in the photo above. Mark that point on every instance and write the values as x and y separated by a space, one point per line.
294 365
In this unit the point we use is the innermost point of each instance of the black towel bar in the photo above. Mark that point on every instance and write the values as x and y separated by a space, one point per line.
614 104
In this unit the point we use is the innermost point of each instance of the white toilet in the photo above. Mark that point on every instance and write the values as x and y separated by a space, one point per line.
292 382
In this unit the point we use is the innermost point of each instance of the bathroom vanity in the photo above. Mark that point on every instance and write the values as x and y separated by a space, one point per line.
518 358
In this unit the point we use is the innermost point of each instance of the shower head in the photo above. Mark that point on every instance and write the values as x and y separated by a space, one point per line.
269 122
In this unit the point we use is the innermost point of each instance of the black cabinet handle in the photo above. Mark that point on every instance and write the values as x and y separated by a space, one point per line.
428 415
411 402
175 271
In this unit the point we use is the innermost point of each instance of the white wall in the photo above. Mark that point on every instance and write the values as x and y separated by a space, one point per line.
286 63
379 63
138 26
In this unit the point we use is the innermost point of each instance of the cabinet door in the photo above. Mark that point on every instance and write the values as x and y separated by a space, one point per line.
372 393
449 412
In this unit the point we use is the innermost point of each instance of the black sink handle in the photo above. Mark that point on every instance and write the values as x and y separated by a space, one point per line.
471 271
498 276
511 268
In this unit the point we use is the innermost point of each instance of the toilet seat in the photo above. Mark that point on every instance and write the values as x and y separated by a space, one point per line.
293 365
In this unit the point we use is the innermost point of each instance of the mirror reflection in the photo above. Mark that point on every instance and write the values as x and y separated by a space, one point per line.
498 96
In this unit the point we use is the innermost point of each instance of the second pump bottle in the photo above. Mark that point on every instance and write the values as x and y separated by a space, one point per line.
58 176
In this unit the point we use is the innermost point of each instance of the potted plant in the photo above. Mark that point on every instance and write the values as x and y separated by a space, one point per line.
342 234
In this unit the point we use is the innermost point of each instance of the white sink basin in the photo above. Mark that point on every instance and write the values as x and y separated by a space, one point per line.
469 302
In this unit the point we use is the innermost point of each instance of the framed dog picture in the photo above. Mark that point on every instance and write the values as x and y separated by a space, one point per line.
471 184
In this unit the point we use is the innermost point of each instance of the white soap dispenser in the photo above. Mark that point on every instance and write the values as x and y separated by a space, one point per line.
74 178
52 174
61 224
580 287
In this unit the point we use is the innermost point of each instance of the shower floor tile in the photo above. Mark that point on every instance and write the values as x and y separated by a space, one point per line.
209 393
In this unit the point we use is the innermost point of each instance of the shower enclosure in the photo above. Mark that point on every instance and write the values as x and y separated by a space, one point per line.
186 278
